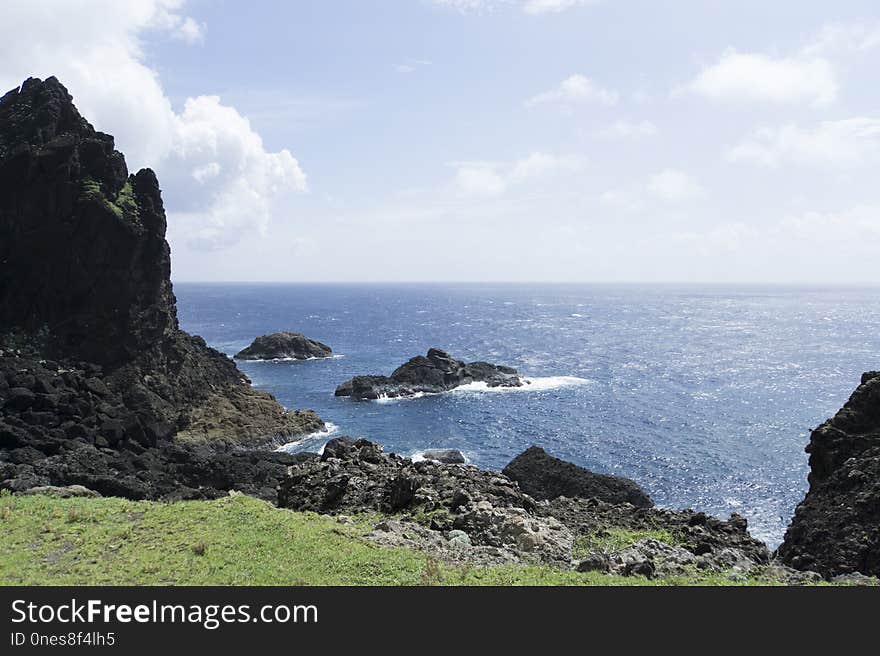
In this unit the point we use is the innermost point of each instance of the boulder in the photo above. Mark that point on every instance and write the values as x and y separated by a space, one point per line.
284 346
545 477
429 374
446 456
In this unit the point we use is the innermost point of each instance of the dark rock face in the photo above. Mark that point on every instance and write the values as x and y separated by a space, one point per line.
91 356
83 240
545 477
836 529
431 374
282 346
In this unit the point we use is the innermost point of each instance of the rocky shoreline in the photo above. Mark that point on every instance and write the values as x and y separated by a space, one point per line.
101 393
463 514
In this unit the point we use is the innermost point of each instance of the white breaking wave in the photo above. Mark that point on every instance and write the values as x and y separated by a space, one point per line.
329 357
328 430
394 399
535 384
418 456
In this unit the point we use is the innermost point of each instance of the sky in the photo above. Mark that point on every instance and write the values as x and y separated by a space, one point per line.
485 140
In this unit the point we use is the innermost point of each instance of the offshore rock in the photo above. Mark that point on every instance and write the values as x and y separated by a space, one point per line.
284 346
429 374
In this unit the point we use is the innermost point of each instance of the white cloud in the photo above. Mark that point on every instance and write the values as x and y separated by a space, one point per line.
480 179
553 6
471 6
845 143
844 38
538 163
411 65
206 172
628 130
238 194
103 65
495 178
532 7
622 199
674 185
859 225
760 78
718 240
574 90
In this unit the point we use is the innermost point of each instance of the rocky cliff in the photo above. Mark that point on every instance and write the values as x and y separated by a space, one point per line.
82 242
836 529
90 349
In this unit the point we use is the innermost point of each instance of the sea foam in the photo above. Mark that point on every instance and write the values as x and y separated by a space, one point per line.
533 384
328 430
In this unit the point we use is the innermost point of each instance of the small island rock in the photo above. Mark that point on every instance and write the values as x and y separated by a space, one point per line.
284 346
429 374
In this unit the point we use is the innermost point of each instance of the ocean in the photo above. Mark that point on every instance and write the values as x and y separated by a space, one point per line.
704 395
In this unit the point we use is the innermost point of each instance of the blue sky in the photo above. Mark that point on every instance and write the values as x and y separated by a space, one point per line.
612 140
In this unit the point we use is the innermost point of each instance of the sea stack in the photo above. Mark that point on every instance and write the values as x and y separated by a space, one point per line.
284 346
429 374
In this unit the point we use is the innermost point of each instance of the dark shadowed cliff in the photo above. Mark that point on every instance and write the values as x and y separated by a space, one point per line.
91 355
836 529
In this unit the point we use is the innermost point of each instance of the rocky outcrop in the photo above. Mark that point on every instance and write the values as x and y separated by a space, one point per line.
545 477
708 539
836 529
82 242
91 354
284 346
429 374
357 475
462 513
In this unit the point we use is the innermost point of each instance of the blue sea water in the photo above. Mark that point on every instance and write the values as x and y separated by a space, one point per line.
705 395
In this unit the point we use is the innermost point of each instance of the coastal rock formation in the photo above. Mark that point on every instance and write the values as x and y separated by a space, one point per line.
94 370
545 477
710 540
462 513
446 456
82 242
836 529
284 346
357 475
429 374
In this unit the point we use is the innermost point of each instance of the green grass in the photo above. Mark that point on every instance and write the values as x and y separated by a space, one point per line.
235 541
615 539
124 205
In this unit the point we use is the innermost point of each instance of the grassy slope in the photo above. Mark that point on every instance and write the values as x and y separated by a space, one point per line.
233 541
